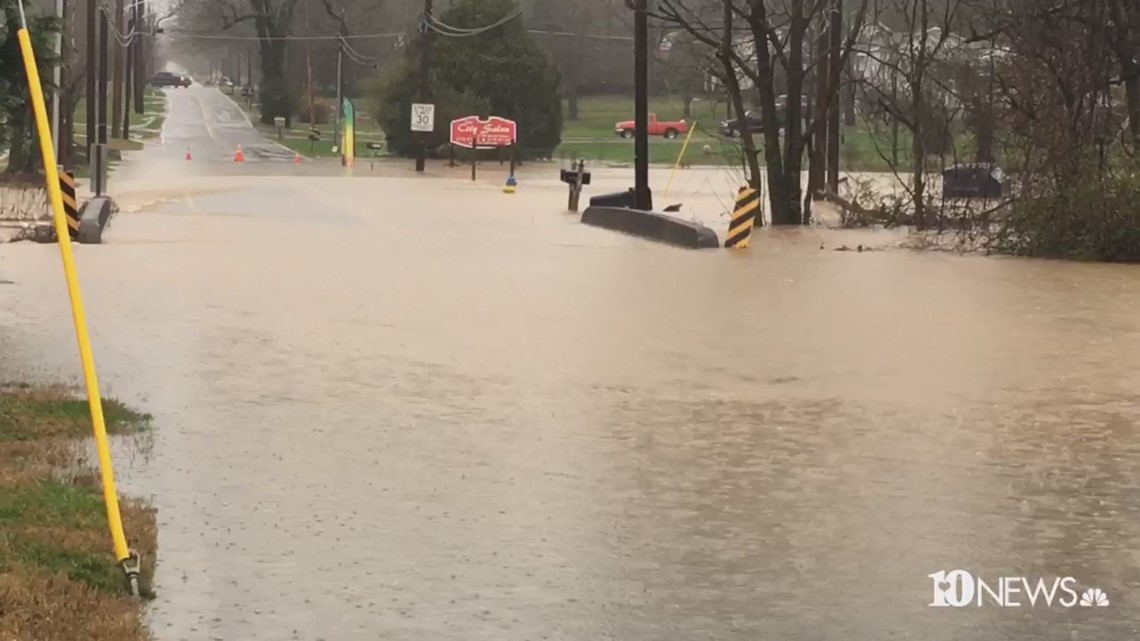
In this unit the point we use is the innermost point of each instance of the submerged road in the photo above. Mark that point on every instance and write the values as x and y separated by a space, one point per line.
211 126
400 407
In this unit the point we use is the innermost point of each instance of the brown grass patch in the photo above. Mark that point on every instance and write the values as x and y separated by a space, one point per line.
58 576
36 605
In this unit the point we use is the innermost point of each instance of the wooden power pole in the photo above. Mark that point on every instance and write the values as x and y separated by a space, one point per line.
92 69
641 195
425 79
117 72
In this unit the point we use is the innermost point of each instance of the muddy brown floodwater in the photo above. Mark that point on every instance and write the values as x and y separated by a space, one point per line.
420 409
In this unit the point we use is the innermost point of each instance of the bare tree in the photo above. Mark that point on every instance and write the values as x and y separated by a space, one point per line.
570 31
772 37
907 77
271 22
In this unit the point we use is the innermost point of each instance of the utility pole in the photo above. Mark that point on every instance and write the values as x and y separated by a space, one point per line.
641 196
834 30
425 80
339 84
127 67
101 89
117 72
92 48
308 65
57 79
140 76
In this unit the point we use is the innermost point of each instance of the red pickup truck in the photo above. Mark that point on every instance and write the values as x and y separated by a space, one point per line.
667 128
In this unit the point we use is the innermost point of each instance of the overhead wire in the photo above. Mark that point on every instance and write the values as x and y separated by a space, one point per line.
356 56
195 35
207 36
450 31
123 39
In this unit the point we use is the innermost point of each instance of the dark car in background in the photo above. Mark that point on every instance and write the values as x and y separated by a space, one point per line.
974 180
755 118
167 79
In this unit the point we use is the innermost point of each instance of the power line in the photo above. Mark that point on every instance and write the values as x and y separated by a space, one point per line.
123 39
194 35
356 56
592 36
449 31
205 36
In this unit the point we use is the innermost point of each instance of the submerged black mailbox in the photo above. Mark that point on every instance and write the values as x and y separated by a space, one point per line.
570 177
974 180
575 177
617 199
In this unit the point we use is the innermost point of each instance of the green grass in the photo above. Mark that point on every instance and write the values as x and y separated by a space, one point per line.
59 575
154 107
97 570
144 126
29 511
51 504
297 137
27 417
598 114
591 137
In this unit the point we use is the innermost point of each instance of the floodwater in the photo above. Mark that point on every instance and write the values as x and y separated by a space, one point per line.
401 408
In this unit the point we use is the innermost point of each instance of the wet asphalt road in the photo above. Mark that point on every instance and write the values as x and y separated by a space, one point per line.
208 124
406 407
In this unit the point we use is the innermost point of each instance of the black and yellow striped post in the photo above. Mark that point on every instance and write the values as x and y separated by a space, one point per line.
70 202
743 218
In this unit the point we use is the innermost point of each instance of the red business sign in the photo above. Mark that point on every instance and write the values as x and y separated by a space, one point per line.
471 131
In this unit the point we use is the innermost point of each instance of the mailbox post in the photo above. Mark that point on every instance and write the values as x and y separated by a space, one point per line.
575 178
279 122
314 136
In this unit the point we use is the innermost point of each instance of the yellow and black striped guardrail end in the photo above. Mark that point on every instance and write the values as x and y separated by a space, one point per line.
70 202
743 218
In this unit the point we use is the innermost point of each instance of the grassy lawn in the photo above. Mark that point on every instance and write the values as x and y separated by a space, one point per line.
297 137
598 114
142 127
58 577
592 137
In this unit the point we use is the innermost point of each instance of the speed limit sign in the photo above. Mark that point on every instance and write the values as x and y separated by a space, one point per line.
423 117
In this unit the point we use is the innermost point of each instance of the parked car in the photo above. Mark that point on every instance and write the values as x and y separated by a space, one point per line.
974 180
755 118
167 79
668 128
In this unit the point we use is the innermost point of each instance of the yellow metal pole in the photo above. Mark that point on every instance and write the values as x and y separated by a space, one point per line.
679 157
51 174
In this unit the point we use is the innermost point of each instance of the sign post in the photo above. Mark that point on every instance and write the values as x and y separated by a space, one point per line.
423 117
474 132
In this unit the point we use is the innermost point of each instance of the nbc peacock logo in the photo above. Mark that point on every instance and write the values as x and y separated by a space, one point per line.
1094 597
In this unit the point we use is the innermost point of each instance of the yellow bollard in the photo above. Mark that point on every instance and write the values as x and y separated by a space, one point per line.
743 218
680 156
110 495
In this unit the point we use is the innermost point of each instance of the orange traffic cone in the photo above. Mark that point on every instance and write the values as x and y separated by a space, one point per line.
188 153
238 155
296 158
